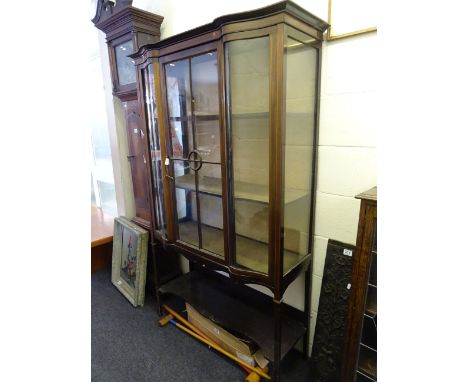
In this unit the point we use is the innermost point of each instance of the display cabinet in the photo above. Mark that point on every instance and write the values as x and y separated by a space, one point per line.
360 350
232 115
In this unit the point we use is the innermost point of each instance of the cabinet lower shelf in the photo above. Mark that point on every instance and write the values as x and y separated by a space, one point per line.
238 308
251 254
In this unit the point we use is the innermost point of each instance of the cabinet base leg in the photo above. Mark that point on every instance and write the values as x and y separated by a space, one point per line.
277 341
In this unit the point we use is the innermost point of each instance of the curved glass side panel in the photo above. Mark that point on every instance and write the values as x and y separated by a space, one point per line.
248 78
155 148
298 144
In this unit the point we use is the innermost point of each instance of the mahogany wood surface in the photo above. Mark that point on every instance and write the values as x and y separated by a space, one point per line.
102 227
101 257
102 233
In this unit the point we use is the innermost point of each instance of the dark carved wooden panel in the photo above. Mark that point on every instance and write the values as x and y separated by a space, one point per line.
332 312
137 158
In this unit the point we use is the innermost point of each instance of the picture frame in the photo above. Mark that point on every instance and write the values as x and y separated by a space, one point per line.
129 258
350 18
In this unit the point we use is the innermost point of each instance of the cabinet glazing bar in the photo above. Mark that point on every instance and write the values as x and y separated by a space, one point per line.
277 169
195 146
224 153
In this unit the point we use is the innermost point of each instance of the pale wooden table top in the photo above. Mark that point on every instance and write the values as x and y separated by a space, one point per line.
102 227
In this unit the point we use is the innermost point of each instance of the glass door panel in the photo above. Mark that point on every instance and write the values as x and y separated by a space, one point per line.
125 65
206 105
298 144
211 208
192 88
179 99
155 149
248 78
186 203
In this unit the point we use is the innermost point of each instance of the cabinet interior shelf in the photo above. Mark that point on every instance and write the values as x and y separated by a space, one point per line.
368 362
367 377
250 253
370 314
242 190
371 303
368 347
200 116
371 309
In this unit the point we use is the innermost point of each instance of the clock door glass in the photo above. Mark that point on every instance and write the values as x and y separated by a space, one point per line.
125 65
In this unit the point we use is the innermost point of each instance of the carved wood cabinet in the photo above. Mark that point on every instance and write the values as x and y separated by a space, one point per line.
231 110
360 350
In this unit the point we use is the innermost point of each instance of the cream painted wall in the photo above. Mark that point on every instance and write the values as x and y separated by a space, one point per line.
347 142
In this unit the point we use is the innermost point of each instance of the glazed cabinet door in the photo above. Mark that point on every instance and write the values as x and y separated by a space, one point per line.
194 158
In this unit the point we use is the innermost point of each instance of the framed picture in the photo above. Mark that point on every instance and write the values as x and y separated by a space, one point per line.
350 18
129 256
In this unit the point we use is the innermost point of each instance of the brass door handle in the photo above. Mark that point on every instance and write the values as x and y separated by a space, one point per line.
166 163
197 159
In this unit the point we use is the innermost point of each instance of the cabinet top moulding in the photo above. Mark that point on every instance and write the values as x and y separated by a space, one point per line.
125 27
286 12
370 195
118 19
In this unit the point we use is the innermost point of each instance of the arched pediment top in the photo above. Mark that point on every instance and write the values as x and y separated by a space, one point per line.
106 8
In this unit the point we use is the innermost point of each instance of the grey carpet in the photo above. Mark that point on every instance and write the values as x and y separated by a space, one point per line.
127 345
